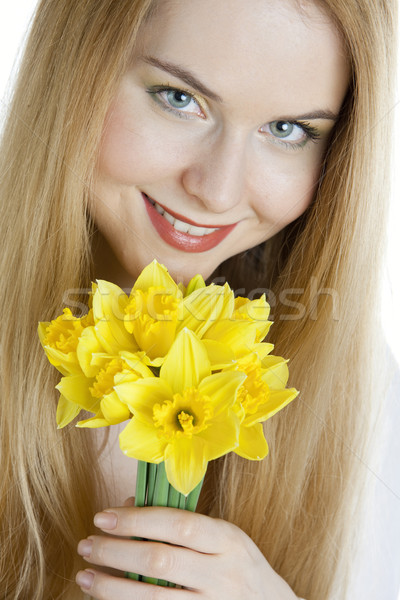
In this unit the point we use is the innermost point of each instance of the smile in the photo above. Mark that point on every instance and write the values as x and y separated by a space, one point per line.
182 226
184 235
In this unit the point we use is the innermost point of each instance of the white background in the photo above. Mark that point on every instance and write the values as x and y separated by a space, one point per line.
14 19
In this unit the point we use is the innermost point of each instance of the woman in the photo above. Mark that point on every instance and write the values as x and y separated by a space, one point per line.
131 122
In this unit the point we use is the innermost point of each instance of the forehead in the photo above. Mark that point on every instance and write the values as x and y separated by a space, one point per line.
278 47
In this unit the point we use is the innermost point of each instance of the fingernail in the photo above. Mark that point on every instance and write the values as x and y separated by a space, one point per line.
84 579
106 520
130 501
85 547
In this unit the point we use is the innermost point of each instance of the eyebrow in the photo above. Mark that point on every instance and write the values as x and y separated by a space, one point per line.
196 84
316 114
184 75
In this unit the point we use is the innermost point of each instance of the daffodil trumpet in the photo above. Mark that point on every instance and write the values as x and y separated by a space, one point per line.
187 369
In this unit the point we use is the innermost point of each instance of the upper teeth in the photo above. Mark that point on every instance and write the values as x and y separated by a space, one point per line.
181 225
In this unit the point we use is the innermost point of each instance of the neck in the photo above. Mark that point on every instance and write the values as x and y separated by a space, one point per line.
106 266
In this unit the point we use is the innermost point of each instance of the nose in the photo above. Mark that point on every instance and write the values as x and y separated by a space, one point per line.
217 173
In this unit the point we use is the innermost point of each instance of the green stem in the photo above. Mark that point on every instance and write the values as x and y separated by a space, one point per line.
140 500
193 497
161 489
151 482
141 484
173 497
134 576
160 498
153 489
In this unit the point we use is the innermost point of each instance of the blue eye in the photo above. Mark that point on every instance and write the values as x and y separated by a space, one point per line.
281 129
291 134
177 101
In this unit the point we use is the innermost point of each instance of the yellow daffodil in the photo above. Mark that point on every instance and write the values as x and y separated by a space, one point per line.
262 394
153 310
206 305
109 306
255 311
185 417
187 365
89 347
197 282
240 330
96 394
60 338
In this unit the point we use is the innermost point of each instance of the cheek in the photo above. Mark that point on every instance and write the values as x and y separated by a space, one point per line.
124 153
286 193
134 151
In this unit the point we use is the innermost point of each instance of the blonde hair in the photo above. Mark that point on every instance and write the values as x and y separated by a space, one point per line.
299 503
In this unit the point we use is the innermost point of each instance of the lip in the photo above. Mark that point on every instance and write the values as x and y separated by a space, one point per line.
180 240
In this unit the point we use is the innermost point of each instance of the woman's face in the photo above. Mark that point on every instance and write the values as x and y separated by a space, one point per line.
215 138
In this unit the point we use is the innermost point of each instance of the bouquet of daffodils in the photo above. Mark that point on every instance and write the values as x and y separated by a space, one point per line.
186 368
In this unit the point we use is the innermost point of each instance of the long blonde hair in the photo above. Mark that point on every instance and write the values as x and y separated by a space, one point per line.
299 503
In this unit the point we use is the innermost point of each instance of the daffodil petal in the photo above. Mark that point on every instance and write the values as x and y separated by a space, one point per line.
42 327
221 436
91 294
237 335
109 303
140 440
187 362
66 412
206 305
262 329
277 373
99 360
256 311
113 409
141 395
196 283
75 388
154 337
67 364
88 345
153 362
94 422
252 443
262 349
185 463
221 388
126 376
277 400
156 275
136 361
220 355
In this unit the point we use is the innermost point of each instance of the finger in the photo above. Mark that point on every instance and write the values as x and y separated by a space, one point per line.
151 559
178 527
105 587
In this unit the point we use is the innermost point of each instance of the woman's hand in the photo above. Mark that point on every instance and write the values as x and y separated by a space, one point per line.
210 558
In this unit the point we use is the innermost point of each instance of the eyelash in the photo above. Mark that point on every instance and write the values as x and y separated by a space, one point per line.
156 92
312 133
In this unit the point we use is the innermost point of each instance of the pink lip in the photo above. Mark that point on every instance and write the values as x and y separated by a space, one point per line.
185 241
